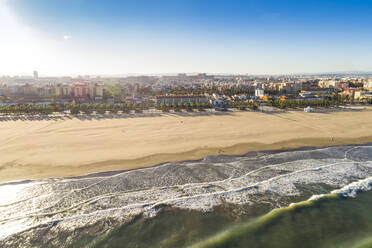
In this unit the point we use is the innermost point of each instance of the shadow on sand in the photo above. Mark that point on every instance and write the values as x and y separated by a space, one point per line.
95 116
88 117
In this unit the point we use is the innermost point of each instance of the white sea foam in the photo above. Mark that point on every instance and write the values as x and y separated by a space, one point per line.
354 188
68 204
350 190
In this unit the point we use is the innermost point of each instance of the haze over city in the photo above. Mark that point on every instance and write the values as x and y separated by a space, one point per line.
154 37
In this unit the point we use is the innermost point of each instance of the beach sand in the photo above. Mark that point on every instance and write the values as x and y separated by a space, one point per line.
33 149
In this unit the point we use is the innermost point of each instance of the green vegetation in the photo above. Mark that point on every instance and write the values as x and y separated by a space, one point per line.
28 109
114 90
282 103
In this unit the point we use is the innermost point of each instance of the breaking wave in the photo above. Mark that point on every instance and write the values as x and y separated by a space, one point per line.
260 233
43 213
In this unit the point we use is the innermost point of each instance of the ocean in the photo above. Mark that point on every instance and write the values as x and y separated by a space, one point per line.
313 197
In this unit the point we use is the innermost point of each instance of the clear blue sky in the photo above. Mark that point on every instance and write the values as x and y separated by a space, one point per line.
64 37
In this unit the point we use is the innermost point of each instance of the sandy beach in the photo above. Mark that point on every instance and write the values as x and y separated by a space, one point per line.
32 149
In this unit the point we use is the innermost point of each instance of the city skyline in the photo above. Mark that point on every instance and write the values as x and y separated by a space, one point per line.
168 37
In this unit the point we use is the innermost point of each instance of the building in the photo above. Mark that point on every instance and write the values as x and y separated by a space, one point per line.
259 92
309 85
96 91
217 100
170 99
350 92
63 90
36 75
308 109
81 90
290 87
28 89
363 95
329 84
45 91
368 85
308 96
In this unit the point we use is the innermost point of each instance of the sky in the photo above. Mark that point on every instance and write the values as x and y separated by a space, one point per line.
97 37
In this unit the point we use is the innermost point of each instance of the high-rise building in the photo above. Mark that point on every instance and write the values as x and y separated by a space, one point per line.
36 75
259 92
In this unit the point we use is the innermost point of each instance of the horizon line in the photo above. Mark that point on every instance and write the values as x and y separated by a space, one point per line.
356 72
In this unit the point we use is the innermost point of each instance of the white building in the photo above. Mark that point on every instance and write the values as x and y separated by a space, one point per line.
362 95
36 75
329 84
368 85
259 92
308 109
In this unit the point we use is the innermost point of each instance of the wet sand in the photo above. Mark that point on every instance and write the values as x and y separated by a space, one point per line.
74 147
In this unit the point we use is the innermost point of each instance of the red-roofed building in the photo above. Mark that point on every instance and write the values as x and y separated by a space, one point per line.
349 92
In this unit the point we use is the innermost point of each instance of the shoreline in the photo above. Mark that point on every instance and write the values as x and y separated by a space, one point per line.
273 178
79 148
148 162
247 154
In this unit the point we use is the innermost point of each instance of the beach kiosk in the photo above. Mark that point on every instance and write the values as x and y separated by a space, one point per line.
308 109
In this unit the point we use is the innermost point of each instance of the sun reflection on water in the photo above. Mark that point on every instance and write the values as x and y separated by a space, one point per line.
11 193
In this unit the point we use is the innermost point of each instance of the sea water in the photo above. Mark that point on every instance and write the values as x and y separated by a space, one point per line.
331 221
264 199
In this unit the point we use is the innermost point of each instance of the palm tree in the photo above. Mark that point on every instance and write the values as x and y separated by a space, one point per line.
166 108
197 105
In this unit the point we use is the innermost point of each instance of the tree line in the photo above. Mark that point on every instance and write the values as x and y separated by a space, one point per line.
294 103
31 109
72 108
